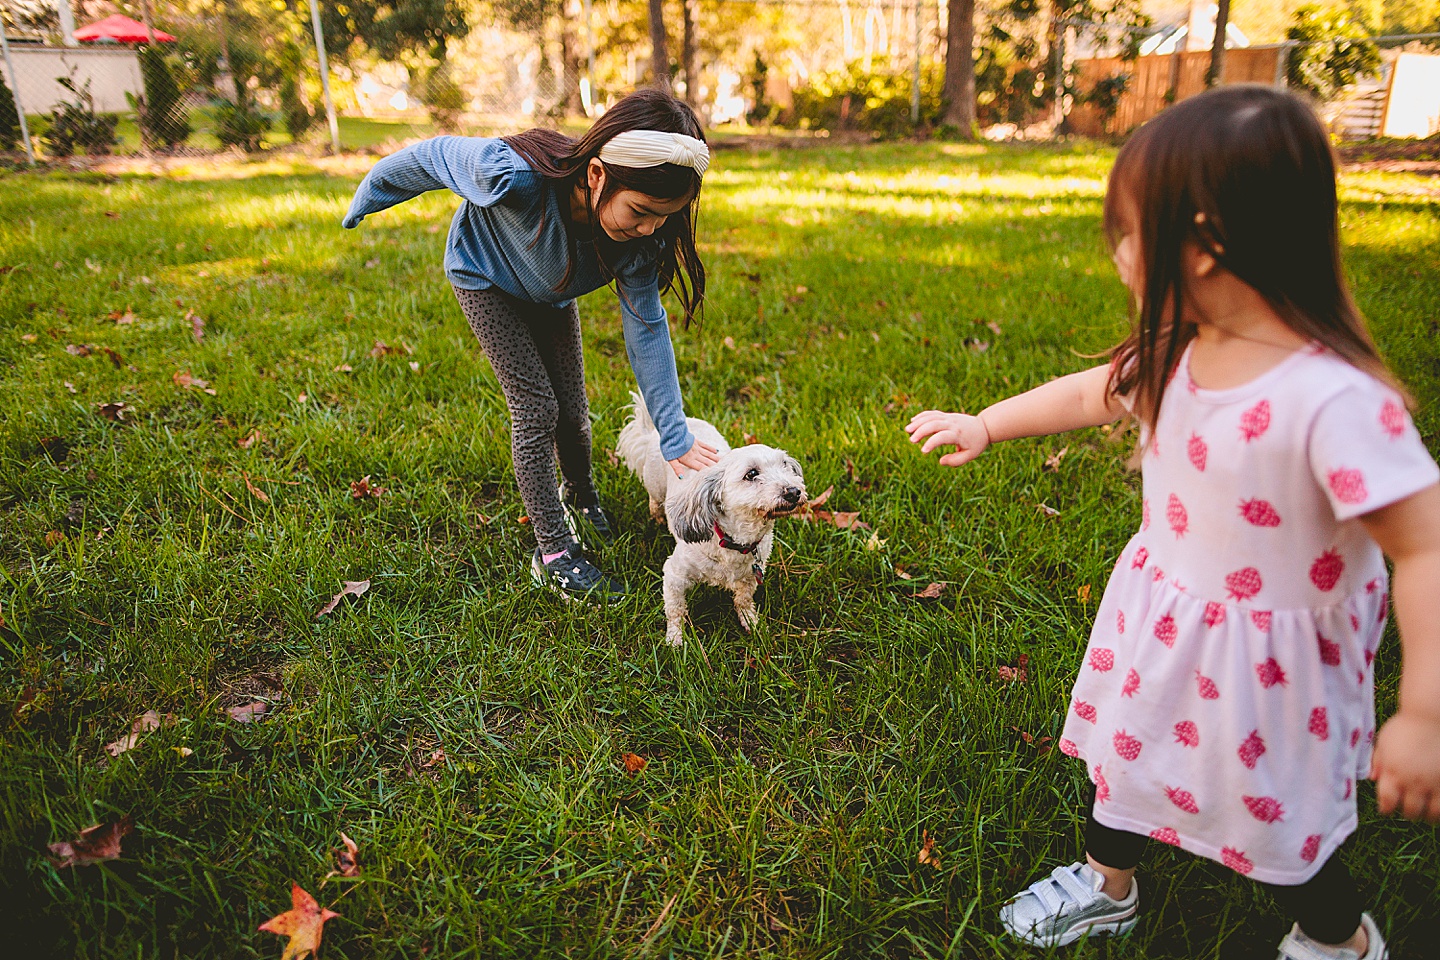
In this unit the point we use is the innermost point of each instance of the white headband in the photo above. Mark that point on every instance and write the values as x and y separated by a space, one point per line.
650 148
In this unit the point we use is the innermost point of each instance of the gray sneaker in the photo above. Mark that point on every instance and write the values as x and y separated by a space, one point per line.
574 578
1297 946
1068 905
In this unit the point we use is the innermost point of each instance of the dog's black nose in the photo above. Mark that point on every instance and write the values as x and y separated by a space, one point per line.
791 494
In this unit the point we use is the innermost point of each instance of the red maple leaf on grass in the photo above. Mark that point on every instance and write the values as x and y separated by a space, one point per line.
302 923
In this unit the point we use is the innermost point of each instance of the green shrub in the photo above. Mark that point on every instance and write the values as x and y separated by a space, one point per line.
164 121
1332 51
442 97
297 113
75 125
9 118
240 125
876 101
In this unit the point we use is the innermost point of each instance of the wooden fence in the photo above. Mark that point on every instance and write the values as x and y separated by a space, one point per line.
1152 78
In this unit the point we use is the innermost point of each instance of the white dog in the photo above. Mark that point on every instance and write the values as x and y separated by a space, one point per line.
722 517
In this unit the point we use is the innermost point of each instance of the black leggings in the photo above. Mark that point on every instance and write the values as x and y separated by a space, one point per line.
535 351
1327 906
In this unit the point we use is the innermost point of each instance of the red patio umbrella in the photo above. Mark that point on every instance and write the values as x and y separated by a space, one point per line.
120 30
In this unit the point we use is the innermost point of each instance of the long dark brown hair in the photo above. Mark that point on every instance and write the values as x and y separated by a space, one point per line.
1255 165
564 161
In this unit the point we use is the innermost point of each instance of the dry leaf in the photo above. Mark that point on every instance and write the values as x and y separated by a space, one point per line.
1083 593
414 366
115 410
94 844
69 386
248 712
977 346
633 762
932 592
845 519
1052 462
927 852
612 458
255 491
79 349
1014 673
994 327
302 923
353 588
522 520
54 537
146 722
362 488
29 337
344 368
123 319
874 543
249 441
751 438
436 759
347 859
1047 510
301 397
728 343
186 382
383 349
900 572
115 357
820 500
197 325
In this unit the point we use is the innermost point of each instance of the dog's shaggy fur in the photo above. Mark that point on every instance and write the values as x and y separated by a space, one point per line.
741 495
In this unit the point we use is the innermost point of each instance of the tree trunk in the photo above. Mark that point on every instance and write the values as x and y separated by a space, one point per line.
687 52
222 22
659 57
960 67
149 22
570 52
1216 74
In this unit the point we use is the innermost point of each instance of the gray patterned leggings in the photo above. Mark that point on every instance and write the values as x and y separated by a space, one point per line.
536 353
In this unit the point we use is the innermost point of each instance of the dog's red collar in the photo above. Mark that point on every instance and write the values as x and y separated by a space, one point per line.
729 544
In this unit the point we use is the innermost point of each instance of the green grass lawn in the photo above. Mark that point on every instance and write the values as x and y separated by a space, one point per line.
174 562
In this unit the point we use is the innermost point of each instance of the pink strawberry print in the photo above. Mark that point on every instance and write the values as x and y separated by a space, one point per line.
1384 607
1244 583
1085 711
1251 749
1131 685
1325 571
1166 631
1144 514
1142 557
1102 788
1369 658
1261 619
1319 723
1311 849
1166 835
1270 673
1354 737
1329 651
1127 746
1183 799
1198 451
1259 513
1392 420
1255 421
1354 623
1067 747
1102 659
1157 574
1206 687
1265 809
1349 788
1236 860
1176 516
1214 614
1187 733
1347 485
1120 622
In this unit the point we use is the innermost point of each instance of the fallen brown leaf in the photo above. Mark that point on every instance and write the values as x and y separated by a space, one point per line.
848 520
383 349
977 346
94 844
115 410
522 520
1014 673
362 488
69 386
79 349
53 537
347 858
353 588
123 318
247 442
819 501
931 592
994 327
1047 510
1052 462
728 343
146 722
927 852
612 458
255 491
303 923
751 438
436 759
1083 593
900 572
344 368
197 325
633 762
114 357
187 382
247 712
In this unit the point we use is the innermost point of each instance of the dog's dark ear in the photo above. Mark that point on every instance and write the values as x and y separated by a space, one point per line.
695 512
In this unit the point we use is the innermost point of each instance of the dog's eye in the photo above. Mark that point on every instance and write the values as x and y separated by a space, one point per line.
752 474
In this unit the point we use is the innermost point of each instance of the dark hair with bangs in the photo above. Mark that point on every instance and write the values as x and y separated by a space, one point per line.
563 161
1256 165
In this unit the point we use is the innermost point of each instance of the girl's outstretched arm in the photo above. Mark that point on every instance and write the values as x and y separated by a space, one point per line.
1078 400
1406 766
482 171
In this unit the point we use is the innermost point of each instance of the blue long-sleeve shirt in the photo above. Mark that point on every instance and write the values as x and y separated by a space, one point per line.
509 234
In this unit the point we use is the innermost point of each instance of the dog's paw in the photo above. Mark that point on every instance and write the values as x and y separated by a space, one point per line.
674 637
749 616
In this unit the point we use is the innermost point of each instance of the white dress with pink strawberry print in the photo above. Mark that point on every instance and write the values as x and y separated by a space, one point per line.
1226 701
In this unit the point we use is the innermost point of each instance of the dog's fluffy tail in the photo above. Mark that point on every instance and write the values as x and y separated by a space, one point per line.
638 437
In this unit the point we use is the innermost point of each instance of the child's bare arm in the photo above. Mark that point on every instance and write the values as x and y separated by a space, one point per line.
1068 403
1406 768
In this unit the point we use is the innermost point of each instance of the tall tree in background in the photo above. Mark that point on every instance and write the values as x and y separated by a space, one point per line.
659 57
687 51
960 67
1216 73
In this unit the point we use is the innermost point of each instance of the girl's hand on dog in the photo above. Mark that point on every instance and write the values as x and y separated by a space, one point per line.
965 433
698 457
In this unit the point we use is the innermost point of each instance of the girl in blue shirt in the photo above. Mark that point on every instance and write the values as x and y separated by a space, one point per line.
545 219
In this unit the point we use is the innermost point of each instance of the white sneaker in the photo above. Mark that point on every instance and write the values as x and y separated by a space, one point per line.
1067 906
1297 946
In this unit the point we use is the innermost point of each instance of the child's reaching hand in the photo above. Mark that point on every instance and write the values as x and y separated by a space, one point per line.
968 435
1406 766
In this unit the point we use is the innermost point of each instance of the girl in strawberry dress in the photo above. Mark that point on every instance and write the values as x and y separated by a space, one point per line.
1225 704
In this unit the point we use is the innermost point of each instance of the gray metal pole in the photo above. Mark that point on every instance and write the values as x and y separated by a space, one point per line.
915 80
589 62
325 77
15 93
